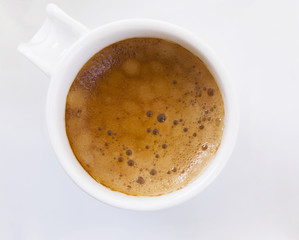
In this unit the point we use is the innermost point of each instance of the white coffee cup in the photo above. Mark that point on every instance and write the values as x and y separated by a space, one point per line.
62 46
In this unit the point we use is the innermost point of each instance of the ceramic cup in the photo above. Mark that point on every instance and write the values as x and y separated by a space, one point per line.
62 46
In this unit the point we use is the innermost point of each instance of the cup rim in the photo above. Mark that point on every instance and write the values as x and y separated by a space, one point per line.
66 72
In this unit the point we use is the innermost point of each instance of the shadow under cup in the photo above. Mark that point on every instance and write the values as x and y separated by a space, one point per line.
65 73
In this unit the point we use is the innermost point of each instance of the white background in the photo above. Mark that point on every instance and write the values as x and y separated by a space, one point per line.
257 194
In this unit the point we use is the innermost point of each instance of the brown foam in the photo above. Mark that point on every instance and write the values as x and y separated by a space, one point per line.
136 116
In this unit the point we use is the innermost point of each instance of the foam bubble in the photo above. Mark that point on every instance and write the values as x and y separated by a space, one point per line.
129 152
149 113
140 180
130 163
161 117
155 131
109 132
211 92
204 147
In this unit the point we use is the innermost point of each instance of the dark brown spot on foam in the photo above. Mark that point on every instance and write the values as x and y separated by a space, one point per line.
140 180
185 129
201 127
147 146
129 152
157 156
130 163
99 128
148 130
120 159
164 146
155 131
109 132
204 147
194 134
149 113
210 92
153 172
174 169
161 117
175 122
174 82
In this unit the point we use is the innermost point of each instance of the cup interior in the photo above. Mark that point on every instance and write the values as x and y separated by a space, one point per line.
74 60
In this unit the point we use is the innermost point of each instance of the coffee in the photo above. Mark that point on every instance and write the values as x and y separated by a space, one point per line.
144 116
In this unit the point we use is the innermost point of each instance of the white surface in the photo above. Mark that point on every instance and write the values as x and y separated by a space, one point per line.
257 194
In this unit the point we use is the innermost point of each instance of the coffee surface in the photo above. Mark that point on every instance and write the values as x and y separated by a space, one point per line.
144 116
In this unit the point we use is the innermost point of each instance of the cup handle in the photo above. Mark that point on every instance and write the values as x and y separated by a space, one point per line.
49 45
